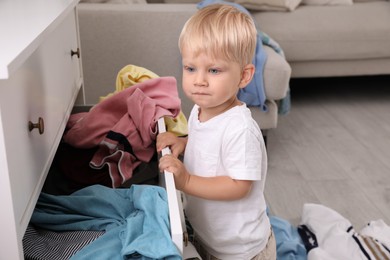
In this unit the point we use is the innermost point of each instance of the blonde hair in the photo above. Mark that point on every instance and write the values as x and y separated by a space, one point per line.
220 31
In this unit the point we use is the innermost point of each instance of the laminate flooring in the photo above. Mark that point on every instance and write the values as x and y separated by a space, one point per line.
333 148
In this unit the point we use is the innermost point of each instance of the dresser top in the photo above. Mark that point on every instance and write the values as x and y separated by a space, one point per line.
23 27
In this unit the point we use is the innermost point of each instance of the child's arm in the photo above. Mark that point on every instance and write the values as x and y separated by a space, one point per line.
217 188
212 188
176 144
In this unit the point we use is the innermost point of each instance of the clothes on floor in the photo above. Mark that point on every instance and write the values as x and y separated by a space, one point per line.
289 245
123 126
379 230
135 221
329 236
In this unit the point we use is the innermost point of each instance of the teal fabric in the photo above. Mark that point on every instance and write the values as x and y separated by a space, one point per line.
136 221
289 245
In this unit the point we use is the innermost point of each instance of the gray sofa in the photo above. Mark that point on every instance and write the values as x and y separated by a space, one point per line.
146 35
322 41
317 41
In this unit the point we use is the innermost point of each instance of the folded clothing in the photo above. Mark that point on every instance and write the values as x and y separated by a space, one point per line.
41 244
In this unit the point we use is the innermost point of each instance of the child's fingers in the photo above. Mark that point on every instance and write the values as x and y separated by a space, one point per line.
165 162
161 144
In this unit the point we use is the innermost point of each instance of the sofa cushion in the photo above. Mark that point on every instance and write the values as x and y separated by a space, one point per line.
315 33
266 120
276 74
361 1
269 5
181 1
114 1
327 2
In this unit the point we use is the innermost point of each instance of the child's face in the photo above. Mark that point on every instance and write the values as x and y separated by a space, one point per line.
210 83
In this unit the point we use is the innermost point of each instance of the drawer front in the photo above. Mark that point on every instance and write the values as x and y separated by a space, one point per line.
175 205
45 86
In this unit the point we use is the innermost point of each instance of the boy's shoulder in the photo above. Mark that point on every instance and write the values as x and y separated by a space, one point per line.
239 113
240 117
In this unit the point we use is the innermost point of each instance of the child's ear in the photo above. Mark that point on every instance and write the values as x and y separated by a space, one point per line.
247 75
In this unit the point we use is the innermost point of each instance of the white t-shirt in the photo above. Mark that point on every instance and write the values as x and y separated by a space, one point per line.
229 144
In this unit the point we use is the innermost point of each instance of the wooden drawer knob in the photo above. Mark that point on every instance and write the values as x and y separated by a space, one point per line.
40 125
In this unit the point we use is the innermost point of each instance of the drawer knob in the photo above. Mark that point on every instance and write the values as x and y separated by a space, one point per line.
40 125
77 53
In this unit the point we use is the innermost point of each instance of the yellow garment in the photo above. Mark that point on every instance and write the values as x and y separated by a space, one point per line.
177 125
131 75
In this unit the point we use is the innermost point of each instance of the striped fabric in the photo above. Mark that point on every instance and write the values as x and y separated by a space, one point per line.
337 239
371 247
39 244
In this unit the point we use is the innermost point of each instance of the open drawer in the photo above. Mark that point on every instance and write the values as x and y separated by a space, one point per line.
176 214
175 204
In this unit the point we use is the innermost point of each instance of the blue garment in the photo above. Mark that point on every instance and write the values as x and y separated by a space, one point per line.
289 245
253 94
284 105
136 221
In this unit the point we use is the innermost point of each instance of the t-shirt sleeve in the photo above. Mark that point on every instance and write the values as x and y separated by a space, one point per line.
242 154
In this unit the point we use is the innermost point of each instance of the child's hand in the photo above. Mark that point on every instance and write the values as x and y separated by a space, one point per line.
175 166
170 140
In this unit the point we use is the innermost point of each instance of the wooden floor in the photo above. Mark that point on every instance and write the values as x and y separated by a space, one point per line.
333 148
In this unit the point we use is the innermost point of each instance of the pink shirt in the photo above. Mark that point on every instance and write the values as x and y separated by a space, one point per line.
124 126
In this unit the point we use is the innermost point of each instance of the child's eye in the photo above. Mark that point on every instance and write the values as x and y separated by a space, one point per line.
189 69
214 71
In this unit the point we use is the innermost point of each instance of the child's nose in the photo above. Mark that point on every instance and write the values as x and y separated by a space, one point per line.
200 80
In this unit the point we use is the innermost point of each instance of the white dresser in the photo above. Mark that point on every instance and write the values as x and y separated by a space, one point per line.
40 78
